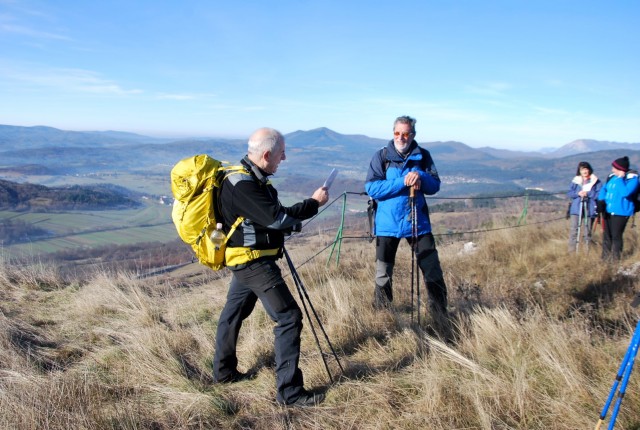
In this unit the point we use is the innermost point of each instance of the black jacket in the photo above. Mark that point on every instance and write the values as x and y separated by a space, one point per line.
249 194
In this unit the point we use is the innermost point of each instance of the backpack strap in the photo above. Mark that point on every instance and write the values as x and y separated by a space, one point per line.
233 229
386 161
228 171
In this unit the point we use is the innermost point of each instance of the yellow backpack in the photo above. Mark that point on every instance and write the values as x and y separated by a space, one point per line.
195 184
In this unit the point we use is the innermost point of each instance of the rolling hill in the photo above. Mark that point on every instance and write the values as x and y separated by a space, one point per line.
38 198
36 154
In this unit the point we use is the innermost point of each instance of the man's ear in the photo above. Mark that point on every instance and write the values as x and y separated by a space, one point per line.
266 156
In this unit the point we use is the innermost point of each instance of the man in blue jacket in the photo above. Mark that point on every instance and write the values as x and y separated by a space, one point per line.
394 169
615 202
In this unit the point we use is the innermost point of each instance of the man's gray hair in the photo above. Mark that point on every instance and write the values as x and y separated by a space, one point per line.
263 140
406 119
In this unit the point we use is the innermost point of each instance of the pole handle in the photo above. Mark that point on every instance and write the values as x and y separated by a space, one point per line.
412 192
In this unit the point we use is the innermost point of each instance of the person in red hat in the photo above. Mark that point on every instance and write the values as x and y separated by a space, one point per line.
616 203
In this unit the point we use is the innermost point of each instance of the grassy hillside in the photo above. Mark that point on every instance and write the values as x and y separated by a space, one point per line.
540 335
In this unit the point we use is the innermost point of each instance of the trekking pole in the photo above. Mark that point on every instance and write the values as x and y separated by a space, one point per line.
597 221
302 292
579 225
412 194
591 226
623 375
587 220
414 241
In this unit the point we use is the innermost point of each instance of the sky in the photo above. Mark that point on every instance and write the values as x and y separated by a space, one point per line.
512 74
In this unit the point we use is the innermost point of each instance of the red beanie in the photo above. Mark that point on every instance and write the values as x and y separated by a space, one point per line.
621 164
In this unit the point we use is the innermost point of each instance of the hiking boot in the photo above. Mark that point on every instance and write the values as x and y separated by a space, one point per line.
381 304
235 377
382 296
306 399
442 325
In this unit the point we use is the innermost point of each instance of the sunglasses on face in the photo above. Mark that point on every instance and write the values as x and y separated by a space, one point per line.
405 134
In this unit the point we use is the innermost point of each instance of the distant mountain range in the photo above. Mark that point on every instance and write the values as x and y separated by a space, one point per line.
14 137
27 153
582 146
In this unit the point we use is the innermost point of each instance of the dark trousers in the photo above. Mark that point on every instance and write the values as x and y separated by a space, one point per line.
614 226
262 280
428 261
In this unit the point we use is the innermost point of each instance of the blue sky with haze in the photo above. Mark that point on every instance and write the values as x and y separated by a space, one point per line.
508 74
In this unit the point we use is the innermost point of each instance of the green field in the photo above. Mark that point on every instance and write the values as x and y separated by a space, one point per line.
78 229
153 183
149 223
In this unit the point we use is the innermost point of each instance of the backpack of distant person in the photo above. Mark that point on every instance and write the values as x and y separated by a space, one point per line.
195 185
635 197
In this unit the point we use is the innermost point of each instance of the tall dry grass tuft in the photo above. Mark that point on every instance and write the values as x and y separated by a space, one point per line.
36 275
539 335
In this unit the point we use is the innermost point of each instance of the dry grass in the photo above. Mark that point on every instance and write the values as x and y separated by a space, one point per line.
540 335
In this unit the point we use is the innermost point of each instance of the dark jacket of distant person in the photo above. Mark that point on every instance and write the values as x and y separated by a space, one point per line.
250 195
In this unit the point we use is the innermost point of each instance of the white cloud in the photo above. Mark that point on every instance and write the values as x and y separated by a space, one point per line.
70 80
26 31
20 21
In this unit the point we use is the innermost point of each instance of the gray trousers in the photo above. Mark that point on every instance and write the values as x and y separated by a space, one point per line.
585 231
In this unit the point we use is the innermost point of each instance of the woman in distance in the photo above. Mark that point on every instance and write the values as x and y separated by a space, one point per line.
583 192
616 203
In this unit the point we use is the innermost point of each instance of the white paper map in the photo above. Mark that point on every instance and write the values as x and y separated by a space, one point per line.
329 181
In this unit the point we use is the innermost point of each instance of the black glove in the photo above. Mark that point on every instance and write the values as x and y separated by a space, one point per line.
601 206
297 228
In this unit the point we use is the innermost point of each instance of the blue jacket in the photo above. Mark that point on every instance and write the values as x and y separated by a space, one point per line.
592 188
393 216
617 191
